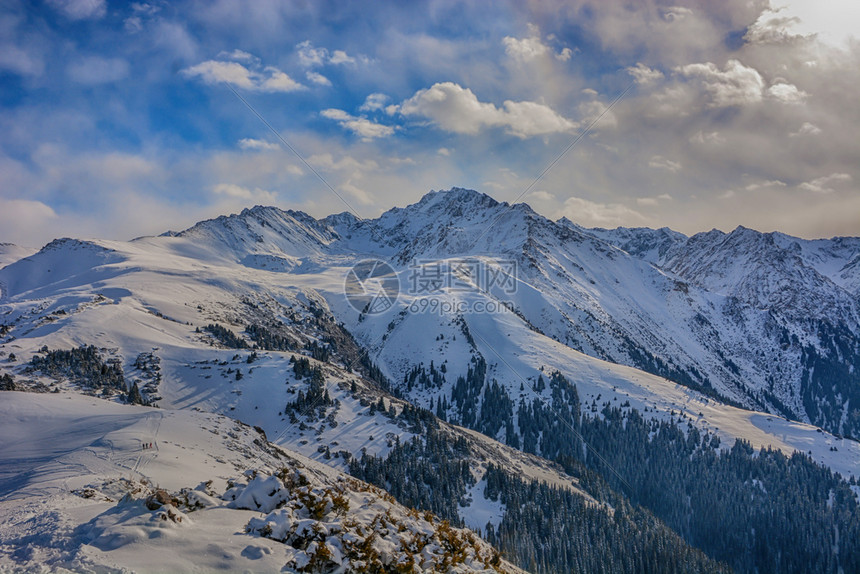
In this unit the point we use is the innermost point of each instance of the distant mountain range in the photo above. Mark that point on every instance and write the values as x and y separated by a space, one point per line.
498 339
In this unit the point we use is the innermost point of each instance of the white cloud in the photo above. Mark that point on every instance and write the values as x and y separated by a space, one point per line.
358 193
133 24
786 93
737 85
360 126
592 214
240 56
141 10
94 70
675 13
238 192
824 184
14 59
772 28
541 195
145 8
712 138
374 102
770 183
660 162
318 79
806 129
25 220
346 163
254 144
596 110
443 151
643 75
524 49
527 49
652 201
341 57
268 79
80 9
457 109
311 57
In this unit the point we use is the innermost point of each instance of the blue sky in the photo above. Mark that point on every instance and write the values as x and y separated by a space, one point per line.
124 119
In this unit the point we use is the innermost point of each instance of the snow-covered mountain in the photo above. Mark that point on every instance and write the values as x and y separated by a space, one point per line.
788 323
528 331
765 320
742 316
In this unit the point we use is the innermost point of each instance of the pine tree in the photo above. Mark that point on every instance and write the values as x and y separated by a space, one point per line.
134 397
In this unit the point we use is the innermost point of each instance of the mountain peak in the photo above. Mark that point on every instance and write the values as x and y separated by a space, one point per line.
458 196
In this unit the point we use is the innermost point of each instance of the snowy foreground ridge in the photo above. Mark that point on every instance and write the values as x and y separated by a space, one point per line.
81 494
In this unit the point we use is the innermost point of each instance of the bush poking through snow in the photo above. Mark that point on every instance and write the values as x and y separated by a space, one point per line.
352 527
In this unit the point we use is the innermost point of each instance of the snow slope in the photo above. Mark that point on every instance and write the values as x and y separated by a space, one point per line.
77 500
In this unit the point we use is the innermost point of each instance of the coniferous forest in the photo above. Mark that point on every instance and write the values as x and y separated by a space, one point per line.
754 511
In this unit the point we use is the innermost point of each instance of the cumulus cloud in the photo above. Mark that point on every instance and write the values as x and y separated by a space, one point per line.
772 28
643 75
736 85
318 79
824 184
374 102
243 71
341 57
254 144
805 129
93 70
457 109
596 110
360 126
532 47
311 57
80 9
786 93
524 49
